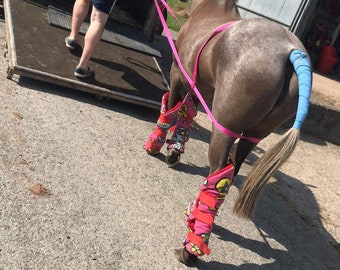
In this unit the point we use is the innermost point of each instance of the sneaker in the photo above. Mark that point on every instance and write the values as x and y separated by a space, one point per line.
80 72
71 43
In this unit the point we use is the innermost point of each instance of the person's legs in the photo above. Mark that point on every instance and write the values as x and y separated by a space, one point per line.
93 36
80 11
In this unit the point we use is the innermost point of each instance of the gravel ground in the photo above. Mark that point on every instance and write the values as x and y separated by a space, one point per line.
77 191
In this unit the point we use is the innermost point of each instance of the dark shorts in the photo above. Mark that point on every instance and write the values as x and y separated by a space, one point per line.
103 5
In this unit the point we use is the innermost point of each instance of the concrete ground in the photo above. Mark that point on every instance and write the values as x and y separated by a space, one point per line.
324 116
77 190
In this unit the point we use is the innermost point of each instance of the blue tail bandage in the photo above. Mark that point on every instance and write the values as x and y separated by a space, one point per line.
304 74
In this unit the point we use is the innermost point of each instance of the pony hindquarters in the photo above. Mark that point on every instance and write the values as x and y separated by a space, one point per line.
280 152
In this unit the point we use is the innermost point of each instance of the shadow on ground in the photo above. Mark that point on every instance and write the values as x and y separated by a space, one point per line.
276 216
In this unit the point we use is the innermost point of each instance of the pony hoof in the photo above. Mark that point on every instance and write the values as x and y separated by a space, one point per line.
151 152
185 257
172 158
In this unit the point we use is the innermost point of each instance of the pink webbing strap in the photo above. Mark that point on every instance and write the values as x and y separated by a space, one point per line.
216 31
191 81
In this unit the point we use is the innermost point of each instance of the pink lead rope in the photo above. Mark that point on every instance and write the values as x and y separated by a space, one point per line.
192 81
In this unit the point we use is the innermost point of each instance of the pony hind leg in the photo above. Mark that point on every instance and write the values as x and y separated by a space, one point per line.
181 131
202 211
262 130
185 114
166 118
240 153
170 105
272 159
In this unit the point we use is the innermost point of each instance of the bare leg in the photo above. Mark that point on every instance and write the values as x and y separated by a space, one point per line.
93 36
80 10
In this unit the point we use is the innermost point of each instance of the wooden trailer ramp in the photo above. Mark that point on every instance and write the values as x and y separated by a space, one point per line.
37 50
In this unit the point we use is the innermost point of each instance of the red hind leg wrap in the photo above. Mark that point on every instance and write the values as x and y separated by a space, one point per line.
156 139
181 131
202 211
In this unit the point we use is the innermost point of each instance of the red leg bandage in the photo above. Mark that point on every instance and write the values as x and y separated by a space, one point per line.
202 211
181 132
156 139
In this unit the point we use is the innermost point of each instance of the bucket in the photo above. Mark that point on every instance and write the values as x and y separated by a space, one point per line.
325 63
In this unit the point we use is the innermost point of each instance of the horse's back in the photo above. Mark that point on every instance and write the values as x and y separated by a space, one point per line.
251 45
256 51
259 39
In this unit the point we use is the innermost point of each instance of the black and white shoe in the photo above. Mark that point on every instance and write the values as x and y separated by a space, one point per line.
80 72
71 43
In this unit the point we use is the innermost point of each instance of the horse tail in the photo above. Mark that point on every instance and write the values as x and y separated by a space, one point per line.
280 152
